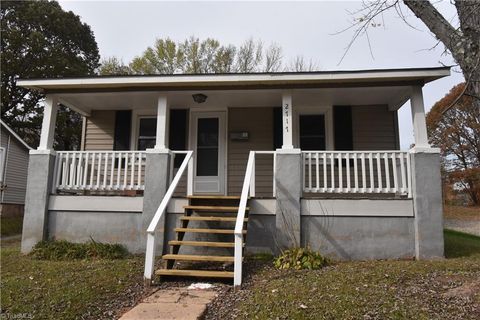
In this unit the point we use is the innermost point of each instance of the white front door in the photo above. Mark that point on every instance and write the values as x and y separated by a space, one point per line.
208 139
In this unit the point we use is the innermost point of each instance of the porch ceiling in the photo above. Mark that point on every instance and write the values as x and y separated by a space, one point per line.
394 96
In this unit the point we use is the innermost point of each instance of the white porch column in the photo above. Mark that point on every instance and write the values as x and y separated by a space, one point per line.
287 120
48 123
418 118
162 122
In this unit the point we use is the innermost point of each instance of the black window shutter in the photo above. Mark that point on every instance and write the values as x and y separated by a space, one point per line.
123 123
342 123
178 133
277 128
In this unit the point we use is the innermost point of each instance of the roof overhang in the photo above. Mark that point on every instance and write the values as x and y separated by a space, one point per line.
16 136
237 81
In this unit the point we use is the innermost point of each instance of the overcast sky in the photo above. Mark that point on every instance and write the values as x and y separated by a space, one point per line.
126 28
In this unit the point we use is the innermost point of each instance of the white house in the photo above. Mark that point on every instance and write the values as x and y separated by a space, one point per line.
186 166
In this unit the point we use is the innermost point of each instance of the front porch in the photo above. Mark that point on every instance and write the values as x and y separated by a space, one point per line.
311 161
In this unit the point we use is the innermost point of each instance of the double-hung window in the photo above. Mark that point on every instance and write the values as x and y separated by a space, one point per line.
147 131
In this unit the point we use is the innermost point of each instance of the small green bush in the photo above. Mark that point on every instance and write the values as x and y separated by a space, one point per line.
64 250
300 258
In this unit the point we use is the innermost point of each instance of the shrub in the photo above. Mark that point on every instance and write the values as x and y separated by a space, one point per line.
300 258
64 250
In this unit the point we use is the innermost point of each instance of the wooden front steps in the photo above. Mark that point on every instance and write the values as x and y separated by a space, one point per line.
212 218
204 242
191 257
219 231
195 273
213 208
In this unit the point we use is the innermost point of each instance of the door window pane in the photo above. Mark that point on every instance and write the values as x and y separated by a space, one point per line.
312 132
207 146
147 132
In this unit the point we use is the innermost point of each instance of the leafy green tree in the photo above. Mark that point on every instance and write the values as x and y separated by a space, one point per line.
113 66
189 57
40 40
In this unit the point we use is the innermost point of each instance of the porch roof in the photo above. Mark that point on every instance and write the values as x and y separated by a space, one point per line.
277 80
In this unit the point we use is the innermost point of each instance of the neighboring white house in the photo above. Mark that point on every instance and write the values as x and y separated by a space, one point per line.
13 171
188 165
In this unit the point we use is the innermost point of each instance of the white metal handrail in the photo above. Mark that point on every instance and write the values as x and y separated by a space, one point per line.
247 186
357 172
150 251
99 170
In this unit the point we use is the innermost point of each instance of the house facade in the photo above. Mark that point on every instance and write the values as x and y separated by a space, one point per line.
288 159
14 154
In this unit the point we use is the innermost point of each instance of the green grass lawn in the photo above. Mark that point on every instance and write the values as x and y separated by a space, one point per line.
10 226
439 289
81 289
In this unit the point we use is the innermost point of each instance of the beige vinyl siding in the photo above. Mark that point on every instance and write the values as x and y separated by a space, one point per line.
374 128
16 167
258 122
100 128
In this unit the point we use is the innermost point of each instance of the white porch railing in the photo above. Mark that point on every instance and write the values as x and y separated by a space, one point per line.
99 170
357 172
150 252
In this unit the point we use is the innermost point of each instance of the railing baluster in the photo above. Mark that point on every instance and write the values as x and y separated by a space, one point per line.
332 170
66 169
104 185
317 173
347 165
340 173
132 172
355 171
364 174
394 170
310 171
119 167
125 172
78 177
71 183
387 172
85 171
325 184
402 172
379 172
92 169
112 165
370 167
99 168
139 173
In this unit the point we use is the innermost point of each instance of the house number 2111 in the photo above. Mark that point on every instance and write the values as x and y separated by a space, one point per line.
286 111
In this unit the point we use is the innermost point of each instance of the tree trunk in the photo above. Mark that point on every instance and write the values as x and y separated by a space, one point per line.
463 43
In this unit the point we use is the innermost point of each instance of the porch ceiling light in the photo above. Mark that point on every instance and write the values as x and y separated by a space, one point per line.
199 97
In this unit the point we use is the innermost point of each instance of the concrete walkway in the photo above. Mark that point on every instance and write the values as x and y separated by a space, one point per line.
178 303
467 226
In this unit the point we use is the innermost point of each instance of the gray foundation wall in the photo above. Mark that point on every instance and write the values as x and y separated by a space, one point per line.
339 237
109 227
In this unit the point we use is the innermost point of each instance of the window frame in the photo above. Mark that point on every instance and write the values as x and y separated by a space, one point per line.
137 128
326 111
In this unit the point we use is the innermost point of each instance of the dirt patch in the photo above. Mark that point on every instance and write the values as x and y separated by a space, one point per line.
462 213
467 290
